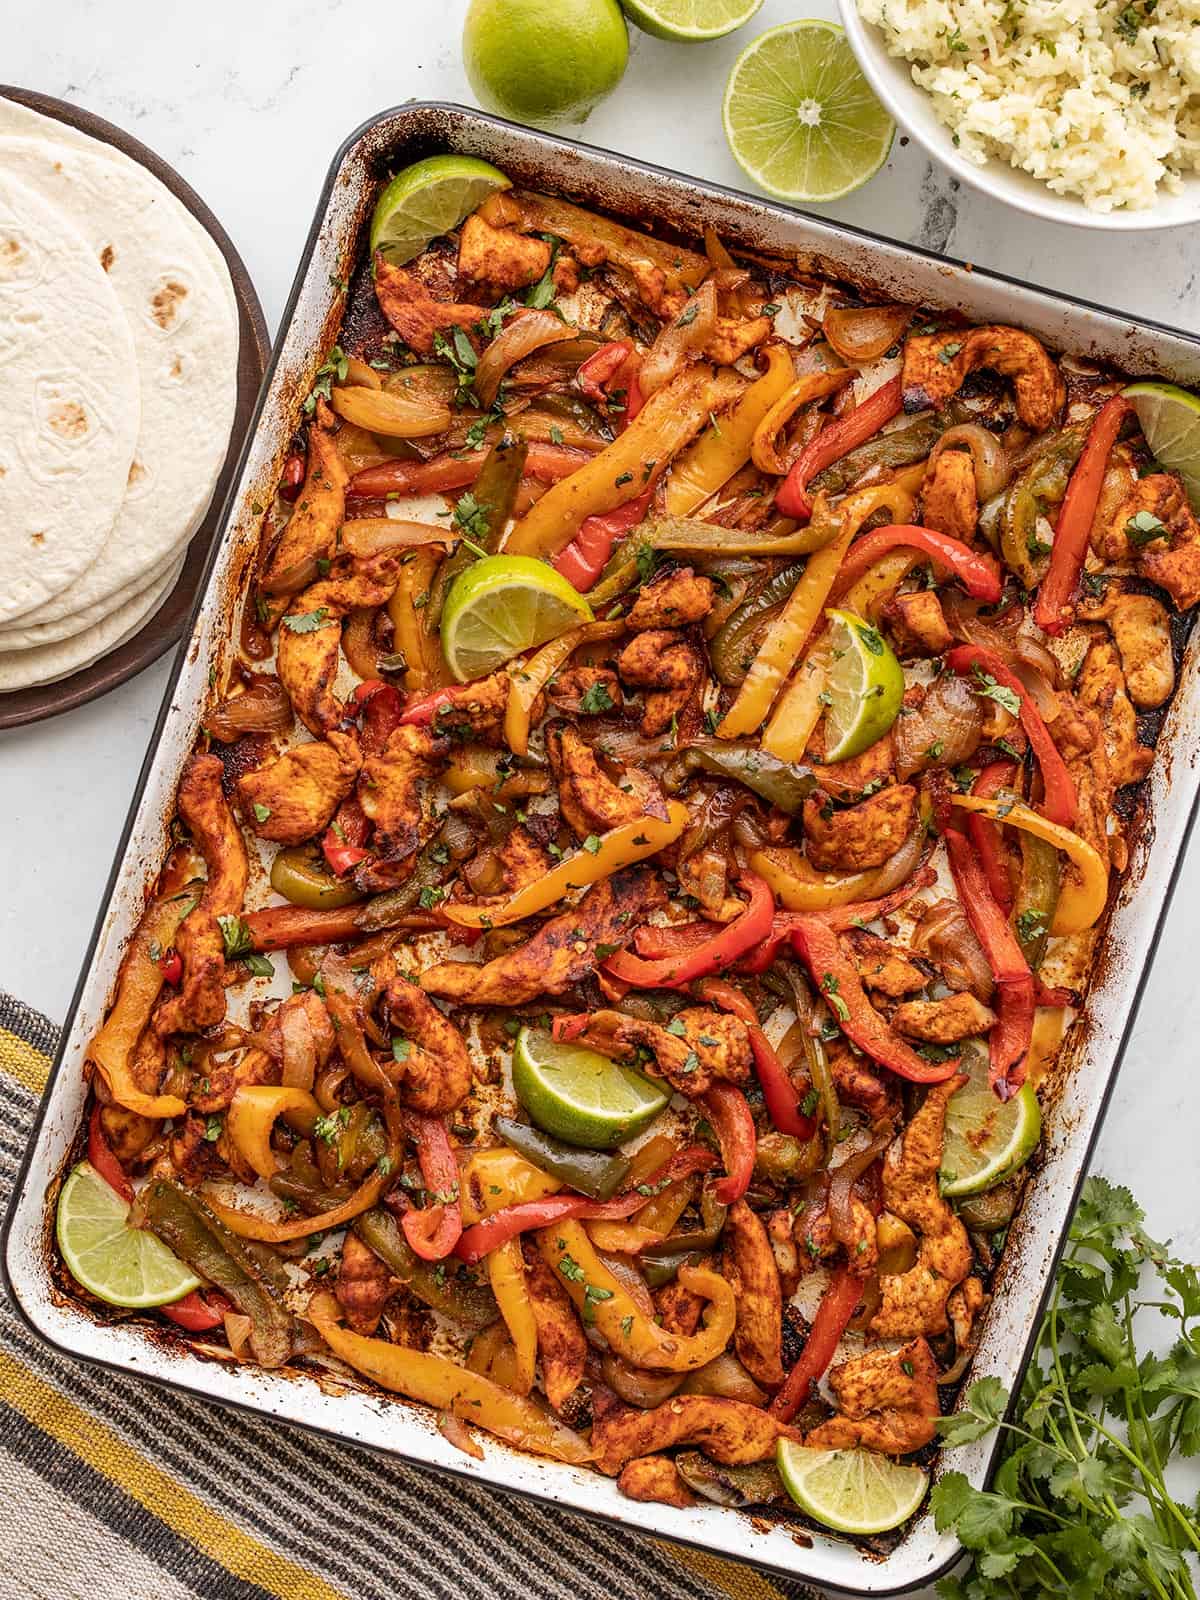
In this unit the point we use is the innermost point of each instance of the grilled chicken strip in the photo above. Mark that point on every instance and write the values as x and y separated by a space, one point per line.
935 365
590 800
727 1430
562 1344
1141 631
750 1267
310 636
1155 528
320 506
670 666
864 835
949 502
416 316
672 600
202 806
711 1046
434 1074
293 798
888 1401
389 791
655 1478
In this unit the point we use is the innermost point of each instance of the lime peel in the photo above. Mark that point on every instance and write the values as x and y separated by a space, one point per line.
853 1491
428 199
866 687
120 1264
579 1095
689 21
986 1140
501 606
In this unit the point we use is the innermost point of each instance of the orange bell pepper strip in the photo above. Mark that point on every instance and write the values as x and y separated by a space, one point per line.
103 1158
1084 893
252 1114
420 649
506 1274
629 466
729 1113
446 1385
832 443
434 1231
764 451
602 1299
458 470
526 682
619 847
1054 610
979 574
724 448
718 949
838 1305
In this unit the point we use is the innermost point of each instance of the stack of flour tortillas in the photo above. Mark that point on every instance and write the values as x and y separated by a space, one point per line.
119 350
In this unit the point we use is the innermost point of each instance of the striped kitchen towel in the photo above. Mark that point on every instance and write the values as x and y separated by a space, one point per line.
114 1489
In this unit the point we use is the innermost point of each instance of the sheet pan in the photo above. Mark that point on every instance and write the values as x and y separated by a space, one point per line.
1093 1050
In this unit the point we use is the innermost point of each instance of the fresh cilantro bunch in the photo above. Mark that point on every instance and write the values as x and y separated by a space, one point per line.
1079 1506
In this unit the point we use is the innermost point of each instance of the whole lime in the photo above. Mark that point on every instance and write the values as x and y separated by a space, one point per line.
544 61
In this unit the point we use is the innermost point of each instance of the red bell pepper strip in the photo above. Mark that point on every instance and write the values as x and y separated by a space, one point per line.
585 558
838 1305
1010 1038
1060 803
344 842
198 1312
1056 998
721 950
613 367
101 1156
726 998
837 981
501 1226
839 918
985 834
832 443
979 574
171 967
726 1108
382 710
673 939
779 1093
545 462
1053 610
567 1028
434 1231
424 709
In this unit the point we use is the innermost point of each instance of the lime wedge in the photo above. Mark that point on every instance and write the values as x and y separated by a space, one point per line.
1170 419
866 687
580 1096
501 606
124 1266
854 1491
800 117
427 199
686 21
986 1139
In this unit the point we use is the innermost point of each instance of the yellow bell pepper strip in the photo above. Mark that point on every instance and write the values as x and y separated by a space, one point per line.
421 650
870 593
1083 893
526 682
252 1115
711 539
764 451
506 1274
485 1347
724 447
604 1301
798 885
619 847
494 1179
629 466
138 985
436 1381
800 706
652 1224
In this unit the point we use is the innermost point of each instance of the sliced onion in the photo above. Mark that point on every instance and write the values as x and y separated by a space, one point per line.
364 537
992 633
864 333
690 330
841 1186
393 416
238 1329
455 1431
726 1378
630 1279
636 1386
294 578
517 339
358 642
263 707
715 250
299 1048
993 469
360 375
946 936
950 721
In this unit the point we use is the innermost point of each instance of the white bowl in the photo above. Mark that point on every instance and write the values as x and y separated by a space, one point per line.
912 109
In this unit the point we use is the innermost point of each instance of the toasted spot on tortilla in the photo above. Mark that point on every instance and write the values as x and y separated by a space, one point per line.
68 419
177 368
136 471
37 538
107 256
164 307
12 254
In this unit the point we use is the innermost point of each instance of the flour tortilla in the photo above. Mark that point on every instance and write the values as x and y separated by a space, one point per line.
17 636
21 669
186 347
70 403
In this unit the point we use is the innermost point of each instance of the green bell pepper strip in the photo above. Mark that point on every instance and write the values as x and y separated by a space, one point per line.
304 880
494 494
1041 484
784 784
594 1173
731 648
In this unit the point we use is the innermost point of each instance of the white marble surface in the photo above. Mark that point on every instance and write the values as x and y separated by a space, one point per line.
250 102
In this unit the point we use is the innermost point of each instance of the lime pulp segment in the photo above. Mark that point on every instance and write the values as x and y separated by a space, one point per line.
502 605
986 1139
122 1265
853 1491
579 1095
1170 419
866 687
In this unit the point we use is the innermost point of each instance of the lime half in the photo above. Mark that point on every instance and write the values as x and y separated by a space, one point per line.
866 687
1170 419
687 21
580 1096
986 1139
427 199
800 117
854 1491
124 1266
501 606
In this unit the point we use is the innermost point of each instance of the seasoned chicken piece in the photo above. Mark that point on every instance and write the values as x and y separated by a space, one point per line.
672 600
522 860
562 1344
589 800
882 966
1141 631
914 1302
310 636
225 1075
917 623
585 691
671 667
309 1004
864 835
477 710
655 1478
935 365
813 1233
727 1430
498 257
859 1084
192 1155
412 310
312 531
1120 479
434 1074
293 798
1154 527
846 780
963 1309
945 1021
735 337
888 1401
949 501
706 875
364 1285
203 808
389 791
560 953
1100 687
710 1047
678 1308
749 1265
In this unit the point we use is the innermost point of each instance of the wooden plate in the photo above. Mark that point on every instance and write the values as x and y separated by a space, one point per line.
165 626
